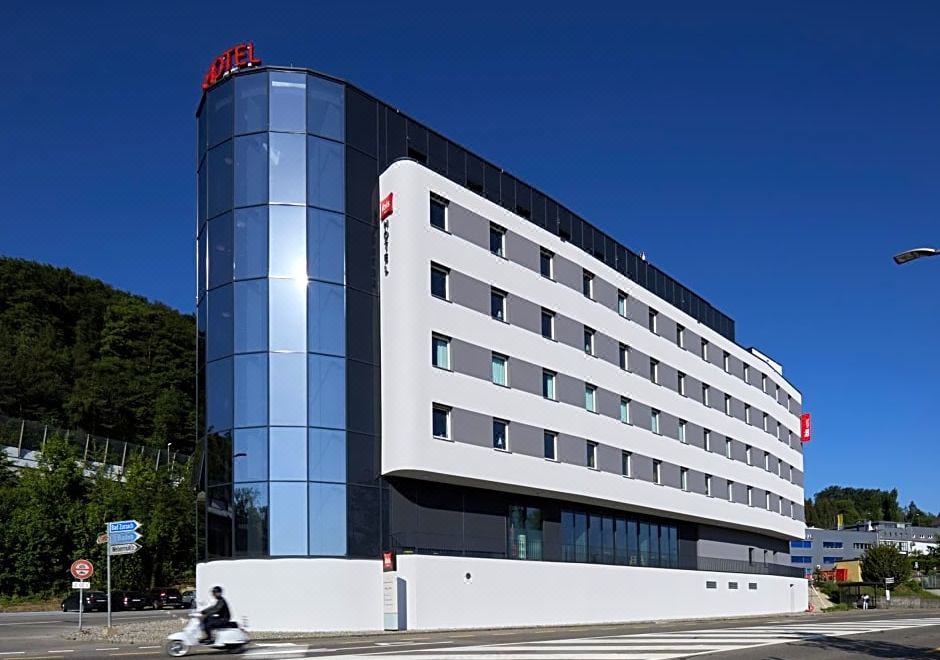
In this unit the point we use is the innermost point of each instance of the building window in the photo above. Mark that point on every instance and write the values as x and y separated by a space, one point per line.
681 383
791 510
788 404
778 430
658 473
680 336
750 496
764 422
747 413
747 454
591 457
705 350
498 304
548 384
684 479
525 532
780 506
440 351
711 584
624 357
550 442
801 544
767 501
439 277
752 586
705 390
654 371
790 473
763 383
708 485
622 304
500 434
588 341
626 464
498 240
767 461
728 447
624 410
707 439
587 285
779 468
747 373
548 324
682 431
731 491
728 404
654 421
440 421
438 213
726 361
732 585
500 369
590 398
652 321
801 559
547 264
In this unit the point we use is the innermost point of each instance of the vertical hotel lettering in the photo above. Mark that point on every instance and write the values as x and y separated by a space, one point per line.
385 210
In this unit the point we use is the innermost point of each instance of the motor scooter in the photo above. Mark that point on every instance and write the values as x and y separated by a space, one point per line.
232 638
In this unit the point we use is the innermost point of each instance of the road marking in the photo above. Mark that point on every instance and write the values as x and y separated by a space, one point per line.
149 647
62 651
12 652
110 648
34 623
117 655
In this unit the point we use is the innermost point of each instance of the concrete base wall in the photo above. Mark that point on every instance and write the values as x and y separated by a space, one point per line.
457 592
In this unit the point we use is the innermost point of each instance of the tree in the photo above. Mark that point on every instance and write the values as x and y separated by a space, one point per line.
885 561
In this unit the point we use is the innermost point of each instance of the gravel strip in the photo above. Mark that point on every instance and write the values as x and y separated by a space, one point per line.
155 632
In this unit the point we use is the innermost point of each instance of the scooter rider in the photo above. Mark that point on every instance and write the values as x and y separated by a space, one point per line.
216 615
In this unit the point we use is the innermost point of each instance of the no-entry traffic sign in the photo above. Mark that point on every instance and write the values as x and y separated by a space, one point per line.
82 569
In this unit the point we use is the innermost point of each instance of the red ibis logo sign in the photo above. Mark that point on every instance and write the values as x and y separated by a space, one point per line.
236 57
806 427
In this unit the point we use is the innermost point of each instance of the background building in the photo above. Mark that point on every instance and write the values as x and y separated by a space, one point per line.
528 405
822 548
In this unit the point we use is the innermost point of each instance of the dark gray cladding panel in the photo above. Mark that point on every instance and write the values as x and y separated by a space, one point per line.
608 403
799 513
669 425
607 349
666 327
694 435
696 481
692 342
524 313
470 359
569 332
605 293
608 459
737 409
642 467
637 311
522 251
571 449
639 363
569 390
716 356
740 493
719 488
468 225
471 427
797 477
469 292
568 273
668 377
693 388
722 543
670 475
525 376
738 451
525 439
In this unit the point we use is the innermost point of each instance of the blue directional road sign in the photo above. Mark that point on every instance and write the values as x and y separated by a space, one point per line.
123 526
118 538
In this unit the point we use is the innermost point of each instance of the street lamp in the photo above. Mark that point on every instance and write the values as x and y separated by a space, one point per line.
916 253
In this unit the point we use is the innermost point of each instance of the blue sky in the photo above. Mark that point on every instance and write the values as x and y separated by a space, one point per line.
772 156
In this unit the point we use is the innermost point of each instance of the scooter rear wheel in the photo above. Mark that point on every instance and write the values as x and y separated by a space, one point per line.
177 648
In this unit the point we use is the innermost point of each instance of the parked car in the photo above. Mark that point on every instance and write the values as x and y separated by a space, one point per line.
189 598
129 600
95 601
165 597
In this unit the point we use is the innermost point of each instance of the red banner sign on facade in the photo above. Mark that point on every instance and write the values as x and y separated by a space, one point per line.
388 561
806 429
234 58
385 207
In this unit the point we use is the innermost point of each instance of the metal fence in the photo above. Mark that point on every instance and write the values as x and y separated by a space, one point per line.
25 441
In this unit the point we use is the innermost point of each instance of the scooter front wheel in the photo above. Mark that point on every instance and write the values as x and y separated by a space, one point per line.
177 648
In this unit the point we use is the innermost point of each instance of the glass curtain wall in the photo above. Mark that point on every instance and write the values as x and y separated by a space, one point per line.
272 310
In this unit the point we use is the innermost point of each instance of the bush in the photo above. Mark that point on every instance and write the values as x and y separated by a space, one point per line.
885 561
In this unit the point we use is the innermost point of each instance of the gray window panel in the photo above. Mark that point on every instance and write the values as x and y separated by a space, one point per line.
692 342
287 327
797 477
363 459
220 174
327 378
287 458
219 395
740 494
637 311
669 425
326 246
219 458
569 390
757 497
571 449
716 398
608 403
288 535
669 377
251 103
797 407
799 513
696 481
288 101
525 439
326 173
608 459
569 332
640 364
220 339
524 313
251 455
526 377
251 169
251 316
362 337
469 292
220 108
717 443
325 108
640 414
251 520
326 318
251 242
288 389
287 237
468 225
666 327
470 359
670 475
715 355
605 293
693 388
737 409
736 367
695 435
720 488
753 375
471 428
643 468
607 349
219 254
327 519
522 251
739 451
362 394
287 165
251 390
568 273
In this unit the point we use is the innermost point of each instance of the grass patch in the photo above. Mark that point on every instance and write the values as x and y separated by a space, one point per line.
40 602
841 607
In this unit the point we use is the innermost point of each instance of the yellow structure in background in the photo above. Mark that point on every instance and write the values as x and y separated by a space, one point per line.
852 568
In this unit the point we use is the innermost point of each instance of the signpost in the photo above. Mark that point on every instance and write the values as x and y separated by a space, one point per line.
121 537
81 570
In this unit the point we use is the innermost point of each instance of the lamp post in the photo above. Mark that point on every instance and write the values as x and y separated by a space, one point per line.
916 253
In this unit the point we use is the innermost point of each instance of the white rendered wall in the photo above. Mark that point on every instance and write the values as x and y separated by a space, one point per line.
504 592
297 594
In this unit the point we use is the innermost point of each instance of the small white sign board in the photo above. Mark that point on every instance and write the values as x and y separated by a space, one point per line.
81 585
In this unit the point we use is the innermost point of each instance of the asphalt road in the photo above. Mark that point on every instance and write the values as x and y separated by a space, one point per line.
875 634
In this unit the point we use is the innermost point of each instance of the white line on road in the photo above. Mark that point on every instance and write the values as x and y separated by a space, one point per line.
149 647
12 652
34 623
110 648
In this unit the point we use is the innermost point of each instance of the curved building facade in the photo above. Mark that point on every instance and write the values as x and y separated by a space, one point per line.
478 381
